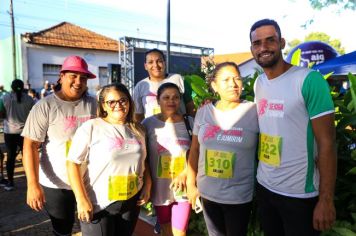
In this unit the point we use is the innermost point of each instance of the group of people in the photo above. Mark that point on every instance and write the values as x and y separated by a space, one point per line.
107 156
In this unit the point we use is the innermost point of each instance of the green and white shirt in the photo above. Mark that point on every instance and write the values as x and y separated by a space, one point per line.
287 148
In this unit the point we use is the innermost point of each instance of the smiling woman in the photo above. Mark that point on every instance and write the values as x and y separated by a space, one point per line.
115 181
51 125
146 90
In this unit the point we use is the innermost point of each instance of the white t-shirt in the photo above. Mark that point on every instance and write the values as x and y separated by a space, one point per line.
228 143
114 158
53 122
145 95
286 105
167 147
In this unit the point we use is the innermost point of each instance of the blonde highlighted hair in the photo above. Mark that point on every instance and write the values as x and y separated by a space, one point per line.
136 127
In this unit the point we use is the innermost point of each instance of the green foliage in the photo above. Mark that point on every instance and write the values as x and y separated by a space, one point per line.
200 89
197 225
317 36
148 207
345 191
342 4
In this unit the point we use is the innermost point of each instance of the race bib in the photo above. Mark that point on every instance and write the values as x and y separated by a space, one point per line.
122 187
156 110
170 167
68 144
219 164
270 149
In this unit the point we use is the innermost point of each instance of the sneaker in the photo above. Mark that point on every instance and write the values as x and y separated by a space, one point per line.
9 187
3 182
157 228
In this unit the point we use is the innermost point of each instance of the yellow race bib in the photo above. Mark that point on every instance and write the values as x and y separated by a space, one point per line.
219 164
68 144
170 167
156 110
270 149
122 187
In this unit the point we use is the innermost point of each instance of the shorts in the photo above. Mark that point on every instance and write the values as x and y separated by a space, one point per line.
177 213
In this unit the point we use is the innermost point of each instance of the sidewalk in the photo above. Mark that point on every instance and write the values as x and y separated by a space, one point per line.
16 218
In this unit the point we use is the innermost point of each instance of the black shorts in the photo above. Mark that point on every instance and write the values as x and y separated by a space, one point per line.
119 218
60 206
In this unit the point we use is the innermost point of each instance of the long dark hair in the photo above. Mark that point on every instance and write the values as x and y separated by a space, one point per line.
17 87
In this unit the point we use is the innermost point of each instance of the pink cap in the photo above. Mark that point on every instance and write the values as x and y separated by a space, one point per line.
77 64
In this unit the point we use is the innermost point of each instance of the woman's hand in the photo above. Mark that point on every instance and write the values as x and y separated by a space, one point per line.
192 194
179 183
145 195
85 210
35 197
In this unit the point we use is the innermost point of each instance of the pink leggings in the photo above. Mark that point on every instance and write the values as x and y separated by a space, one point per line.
178 213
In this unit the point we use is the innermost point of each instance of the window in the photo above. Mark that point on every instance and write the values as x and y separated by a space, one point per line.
51 72
103 76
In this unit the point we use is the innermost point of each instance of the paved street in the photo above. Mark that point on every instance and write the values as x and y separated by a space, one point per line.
16 218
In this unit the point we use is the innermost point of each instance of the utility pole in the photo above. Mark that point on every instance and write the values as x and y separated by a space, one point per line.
168 34
13 39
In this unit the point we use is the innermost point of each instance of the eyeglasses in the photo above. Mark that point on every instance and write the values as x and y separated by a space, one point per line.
113 103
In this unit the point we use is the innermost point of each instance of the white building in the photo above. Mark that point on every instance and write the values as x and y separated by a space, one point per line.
41 54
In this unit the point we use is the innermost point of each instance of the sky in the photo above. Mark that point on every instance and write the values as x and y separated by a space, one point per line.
220 24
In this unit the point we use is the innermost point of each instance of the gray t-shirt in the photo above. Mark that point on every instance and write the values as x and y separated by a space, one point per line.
286 106
167 147
53 122
114 158
145 95
227 152
16 113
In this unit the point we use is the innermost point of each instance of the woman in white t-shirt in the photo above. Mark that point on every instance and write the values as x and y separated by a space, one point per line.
221 162
168 142
146 90
106 167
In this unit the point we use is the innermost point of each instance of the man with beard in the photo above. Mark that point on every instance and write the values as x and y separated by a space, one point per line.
297 156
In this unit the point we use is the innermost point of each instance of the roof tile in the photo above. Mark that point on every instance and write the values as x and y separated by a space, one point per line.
69 35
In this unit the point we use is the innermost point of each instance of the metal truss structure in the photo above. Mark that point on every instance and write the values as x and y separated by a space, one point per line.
128 46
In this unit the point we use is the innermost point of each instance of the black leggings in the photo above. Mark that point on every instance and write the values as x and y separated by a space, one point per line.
12 142
226 219
119 218
60 206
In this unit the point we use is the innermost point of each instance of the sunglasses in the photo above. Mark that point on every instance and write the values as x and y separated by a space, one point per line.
113 103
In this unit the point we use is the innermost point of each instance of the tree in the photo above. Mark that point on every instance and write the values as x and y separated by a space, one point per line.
317 36
342 4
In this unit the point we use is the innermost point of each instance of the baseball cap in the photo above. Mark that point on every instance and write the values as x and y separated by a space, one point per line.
77 64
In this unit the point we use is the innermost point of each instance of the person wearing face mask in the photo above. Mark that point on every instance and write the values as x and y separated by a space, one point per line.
145 91
221 162
47 134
